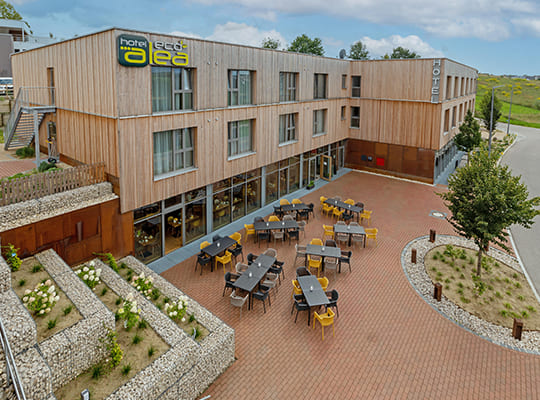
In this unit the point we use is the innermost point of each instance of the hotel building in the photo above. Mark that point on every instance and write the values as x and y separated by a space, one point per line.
196 134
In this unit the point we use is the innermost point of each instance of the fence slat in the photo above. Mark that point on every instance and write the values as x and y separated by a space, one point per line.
44 184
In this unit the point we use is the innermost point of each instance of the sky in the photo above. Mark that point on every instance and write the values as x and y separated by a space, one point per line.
493 36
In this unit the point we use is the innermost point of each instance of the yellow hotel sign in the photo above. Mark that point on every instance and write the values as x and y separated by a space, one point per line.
137 51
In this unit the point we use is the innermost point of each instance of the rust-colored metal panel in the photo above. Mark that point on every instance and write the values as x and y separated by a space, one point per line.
89 219
410 153
395 157
381 150
48 231
23 238
81 251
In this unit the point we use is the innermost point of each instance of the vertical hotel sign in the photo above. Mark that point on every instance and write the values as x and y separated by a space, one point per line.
137 51
436 81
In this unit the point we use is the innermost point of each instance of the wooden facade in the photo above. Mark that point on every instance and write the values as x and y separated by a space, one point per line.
104 109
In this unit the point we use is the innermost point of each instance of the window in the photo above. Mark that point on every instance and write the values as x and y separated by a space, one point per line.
446 121
319 119
356 81
319 86
343 111
240 137
456 86
448 87
287 128
344 81
454 111
173 150
239 88
172 89
355 117
287 86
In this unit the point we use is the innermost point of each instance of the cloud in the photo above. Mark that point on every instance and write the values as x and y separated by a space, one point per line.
185 34
380 47
232 32
528 25
484 19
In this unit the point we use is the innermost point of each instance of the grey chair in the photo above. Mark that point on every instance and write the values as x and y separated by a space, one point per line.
239 301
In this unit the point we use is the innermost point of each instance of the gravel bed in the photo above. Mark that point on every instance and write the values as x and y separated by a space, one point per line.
421 282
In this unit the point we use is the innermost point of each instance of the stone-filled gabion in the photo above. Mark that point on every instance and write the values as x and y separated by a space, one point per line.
27 212
5 275
421 282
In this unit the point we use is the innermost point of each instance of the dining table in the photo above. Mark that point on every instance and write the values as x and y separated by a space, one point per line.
323 251
349 208
275 225
218 247
254 274
313 292
351 230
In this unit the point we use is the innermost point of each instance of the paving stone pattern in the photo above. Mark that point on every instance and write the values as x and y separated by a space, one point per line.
388 342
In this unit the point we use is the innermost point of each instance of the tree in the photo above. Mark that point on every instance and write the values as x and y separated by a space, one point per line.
485 199
304 44
269 43
7 11
401 52
469 136
485 110
359 51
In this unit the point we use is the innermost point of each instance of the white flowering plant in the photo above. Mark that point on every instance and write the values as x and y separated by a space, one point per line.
176 310
89 274
42 299
129 311
145 285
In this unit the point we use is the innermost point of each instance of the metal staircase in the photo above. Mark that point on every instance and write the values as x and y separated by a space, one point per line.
31 105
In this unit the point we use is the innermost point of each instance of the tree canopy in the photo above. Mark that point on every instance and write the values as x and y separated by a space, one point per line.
401 52
270 43
469 136
485 199
304 44
485 109
358 51
7 11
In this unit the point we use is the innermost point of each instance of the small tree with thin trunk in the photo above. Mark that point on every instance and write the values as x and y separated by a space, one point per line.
270 43
469 136
304 44
359 51
485 199
485 109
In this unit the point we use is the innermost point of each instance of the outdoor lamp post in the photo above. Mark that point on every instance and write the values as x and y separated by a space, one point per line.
510 111
491 118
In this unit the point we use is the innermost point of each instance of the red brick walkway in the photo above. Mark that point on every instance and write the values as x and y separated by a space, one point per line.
9 168
389 343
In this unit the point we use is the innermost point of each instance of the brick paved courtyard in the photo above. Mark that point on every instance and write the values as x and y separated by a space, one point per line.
388 342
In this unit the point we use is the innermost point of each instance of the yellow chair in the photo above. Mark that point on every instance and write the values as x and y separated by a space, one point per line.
323 199
224 260
324 282
316 241
328 231
250 230
371 233
296 289
327 209
338 213
366 215
284 202
204 244
273 218
236 236
315 262
296 201
325 320
349 201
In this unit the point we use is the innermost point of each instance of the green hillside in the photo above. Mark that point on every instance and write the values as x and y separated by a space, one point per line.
525 101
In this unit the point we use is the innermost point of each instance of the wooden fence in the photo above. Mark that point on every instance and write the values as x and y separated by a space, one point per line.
46 183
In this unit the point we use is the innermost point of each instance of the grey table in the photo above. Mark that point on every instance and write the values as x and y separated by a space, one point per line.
351 230
251 277
274 225
218 247
316 250
294 207
313 292
349 208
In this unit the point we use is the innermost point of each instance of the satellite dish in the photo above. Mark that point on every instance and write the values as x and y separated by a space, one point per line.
342 54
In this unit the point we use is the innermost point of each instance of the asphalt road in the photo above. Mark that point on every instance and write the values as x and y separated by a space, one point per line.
524 159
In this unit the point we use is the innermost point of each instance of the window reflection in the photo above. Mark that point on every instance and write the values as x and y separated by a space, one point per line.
148 240
222 209
271 187
195 220
239 204
253 195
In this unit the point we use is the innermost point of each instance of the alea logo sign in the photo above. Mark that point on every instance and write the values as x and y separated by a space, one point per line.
137 51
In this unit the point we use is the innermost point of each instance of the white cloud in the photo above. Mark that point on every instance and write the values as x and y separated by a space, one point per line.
380 47
531 25
232 32
186 34
484 19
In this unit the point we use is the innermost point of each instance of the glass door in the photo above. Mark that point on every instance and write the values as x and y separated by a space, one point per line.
326 167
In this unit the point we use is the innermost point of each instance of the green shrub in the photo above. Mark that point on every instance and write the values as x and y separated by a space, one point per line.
151 351
25 152
113 349
142 324
137 339
97 371
22 282
36 268
46 166
126 369
13 260
67 310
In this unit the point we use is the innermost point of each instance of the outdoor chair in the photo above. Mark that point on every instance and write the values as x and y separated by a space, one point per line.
371 233
271 252
311 210
294 234
250 257
358 239
338 198
342 238
325 320
349 201
262 294
296 288
330 243
258 219
271 281
340 223
301 227
230 278
302 271
224 260
324 282
300 253
277 268
240 268
345 259
302 215
300 305
331 264
250 230
215 238
278 235
238 301
327 209
278 212
288 217
328 231
338 213
315 262
284 202
296 201
273 218
333 297
366 215
262 235
202 260
316 241
236 251
204 244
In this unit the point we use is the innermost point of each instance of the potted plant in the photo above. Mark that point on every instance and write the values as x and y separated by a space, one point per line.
311 185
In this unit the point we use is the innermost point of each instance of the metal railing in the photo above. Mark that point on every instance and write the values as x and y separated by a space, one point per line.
28 97
41 185
11 368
